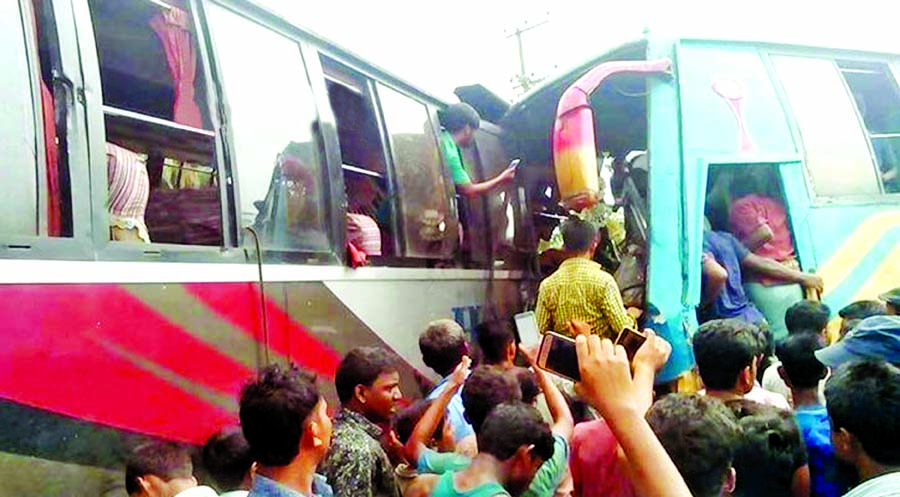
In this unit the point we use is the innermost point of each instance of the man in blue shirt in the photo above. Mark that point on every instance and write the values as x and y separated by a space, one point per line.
443 346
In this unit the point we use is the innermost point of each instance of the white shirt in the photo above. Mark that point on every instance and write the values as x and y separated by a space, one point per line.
199 491
235 493
763 396
885 485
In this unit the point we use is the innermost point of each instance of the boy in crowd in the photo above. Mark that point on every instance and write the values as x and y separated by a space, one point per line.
803 373
162 470
864 406
855 312
727 351
368 386
227 460
806 316
877 337
443 346
285 421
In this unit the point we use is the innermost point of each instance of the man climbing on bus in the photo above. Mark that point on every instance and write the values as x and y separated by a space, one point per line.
460 122
581 289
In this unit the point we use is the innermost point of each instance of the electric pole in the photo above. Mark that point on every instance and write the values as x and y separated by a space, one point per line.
523 79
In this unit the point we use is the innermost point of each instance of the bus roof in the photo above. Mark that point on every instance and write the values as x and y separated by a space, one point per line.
254 9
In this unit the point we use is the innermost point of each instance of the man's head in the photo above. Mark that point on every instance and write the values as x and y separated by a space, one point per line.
461 120
852 314
877 337
863 400
227 460
579 236
367 381
807 316
486 388
283 416
799 368
158 470
515 435
726 351
700 435
767 454
892 301
528 384
443 345
496 342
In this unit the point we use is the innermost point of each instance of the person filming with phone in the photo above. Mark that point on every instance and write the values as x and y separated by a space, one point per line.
581 290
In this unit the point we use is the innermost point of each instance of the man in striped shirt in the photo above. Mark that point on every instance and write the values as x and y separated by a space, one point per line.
864 406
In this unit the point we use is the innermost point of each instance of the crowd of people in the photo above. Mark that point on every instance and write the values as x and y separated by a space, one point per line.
807 415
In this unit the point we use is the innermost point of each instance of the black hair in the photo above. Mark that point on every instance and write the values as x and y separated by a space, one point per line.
807 316
528 385
798 358
361 366
700 435
862 309
443 345
513 425
486 388
578 234
457 116
770 451
227 458
494 338
274 409
723 348
405 421
864 399
165 460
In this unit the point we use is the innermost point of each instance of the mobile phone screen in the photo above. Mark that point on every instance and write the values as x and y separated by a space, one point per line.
514 163
558 355
526 325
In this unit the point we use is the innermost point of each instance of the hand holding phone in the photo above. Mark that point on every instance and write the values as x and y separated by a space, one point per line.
631 340
514 163
557 352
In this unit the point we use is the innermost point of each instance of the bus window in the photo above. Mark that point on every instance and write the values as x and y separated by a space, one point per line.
838 160
878 101
370 224
274 123
429 223
154 103
32 145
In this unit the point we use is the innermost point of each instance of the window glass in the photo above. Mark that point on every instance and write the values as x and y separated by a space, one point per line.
878 101
154 104
18 129
837 152
429 227
273 118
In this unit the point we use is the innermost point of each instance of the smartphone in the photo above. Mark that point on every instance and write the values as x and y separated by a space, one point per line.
527 328
557 354
514 164
631 340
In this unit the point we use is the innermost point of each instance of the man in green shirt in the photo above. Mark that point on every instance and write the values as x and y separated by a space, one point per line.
460 122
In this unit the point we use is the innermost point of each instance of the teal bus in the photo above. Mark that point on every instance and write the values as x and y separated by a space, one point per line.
677 117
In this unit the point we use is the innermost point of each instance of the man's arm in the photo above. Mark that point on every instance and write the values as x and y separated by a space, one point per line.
715 276
778 271
563 422
472 189
428 423
542 313
652 356
609 387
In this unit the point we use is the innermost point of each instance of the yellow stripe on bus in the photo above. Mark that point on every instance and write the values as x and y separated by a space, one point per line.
885 277
856 247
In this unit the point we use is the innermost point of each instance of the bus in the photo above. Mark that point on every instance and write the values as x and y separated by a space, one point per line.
679 119
182 181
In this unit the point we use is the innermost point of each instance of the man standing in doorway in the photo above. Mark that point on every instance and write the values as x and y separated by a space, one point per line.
460 122
580 289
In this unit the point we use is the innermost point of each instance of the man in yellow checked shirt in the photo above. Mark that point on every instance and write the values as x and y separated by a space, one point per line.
581 289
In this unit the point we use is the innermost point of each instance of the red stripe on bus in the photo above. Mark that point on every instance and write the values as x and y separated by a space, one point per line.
239 303
54 357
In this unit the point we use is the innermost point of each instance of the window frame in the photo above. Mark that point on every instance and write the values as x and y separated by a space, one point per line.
66 71
819 200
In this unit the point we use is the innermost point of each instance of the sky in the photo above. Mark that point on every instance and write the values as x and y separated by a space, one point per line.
438 46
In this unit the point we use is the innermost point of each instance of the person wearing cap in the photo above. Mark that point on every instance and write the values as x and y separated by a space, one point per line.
853 313
892 301
877 337
460 122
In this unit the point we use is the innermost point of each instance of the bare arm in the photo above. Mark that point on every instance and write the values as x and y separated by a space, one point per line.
608 385
563 422
652 356
776 270
425 427
800 483
715 278
475 189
